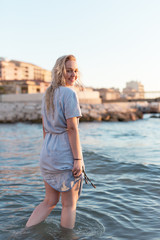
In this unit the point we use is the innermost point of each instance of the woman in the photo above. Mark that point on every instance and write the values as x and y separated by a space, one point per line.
61 157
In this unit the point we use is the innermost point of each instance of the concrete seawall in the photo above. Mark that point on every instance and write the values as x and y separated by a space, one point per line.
84 97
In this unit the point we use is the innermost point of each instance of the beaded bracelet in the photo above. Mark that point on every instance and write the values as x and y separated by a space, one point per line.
76 159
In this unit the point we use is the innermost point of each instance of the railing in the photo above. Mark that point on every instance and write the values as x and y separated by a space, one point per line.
152 95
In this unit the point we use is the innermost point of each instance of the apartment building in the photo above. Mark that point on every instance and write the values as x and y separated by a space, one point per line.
22 77
134 89
108 94
16 70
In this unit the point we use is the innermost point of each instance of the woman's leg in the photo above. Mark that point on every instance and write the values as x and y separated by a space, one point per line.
44 208
69 201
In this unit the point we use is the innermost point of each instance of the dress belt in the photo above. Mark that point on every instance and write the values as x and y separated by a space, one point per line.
56 133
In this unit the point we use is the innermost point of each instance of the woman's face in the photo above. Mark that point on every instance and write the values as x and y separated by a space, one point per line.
71 72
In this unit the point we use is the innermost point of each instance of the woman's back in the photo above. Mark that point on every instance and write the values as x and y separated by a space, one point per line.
65 106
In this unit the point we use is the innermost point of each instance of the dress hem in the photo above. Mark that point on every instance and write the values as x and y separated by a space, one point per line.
80 187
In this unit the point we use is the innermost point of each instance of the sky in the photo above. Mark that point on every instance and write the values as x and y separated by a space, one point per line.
114 41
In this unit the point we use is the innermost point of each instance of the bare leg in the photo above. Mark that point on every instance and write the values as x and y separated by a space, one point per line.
69 202
44 208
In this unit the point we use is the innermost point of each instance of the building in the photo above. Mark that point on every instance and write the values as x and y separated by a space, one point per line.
21 77
108 94
88 95
134 89
22 86
16 70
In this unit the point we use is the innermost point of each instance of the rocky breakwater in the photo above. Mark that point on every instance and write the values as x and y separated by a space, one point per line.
20 112
110 112
31 112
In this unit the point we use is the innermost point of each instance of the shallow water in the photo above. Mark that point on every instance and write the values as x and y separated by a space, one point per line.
122 159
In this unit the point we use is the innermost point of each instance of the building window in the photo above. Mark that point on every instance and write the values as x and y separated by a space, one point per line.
24 89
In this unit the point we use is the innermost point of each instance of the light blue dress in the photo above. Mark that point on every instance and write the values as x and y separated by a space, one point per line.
56 158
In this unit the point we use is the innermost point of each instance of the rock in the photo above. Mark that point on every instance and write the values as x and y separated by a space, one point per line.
85 111
29 108
85 106
155 116
133 117
139 114
86 118
106 117
38 107
95 115
123 117
7 107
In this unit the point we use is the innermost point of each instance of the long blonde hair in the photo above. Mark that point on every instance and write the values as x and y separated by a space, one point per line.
58 79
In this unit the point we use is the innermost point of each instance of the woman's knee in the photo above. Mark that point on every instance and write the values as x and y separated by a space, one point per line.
52 196
51 202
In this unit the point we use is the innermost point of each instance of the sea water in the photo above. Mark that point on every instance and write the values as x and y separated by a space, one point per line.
121 158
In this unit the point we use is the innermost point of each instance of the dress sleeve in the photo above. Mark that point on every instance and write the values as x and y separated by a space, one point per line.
71 106
42 105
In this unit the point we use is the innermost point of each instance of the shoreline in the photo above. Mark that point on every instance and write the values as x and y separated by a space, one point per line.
27 108
12 112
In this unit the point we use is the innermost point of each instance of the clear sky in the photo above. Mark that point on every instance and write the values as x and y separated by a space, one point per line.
115 41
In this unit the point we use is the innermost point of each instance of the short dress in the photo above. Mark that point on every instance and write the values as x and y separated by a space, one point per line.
56 158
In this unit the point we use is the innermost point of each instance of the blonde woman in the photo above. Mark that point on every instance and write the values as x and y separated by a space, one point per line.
61 157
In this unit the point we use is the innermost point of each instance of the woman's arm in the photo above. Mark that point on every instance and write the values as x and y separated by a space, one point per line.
73 134
44 133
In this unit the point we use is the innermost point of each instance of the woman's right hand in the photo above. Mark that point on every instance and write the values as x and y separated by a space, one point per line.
77 168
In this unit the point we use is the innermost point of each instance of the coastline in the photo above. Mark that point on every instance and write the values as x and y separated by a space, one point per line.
11 112
27 108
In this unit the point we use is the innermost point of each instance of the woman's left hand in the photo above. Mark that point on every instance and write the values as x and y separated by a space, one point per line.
77 168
